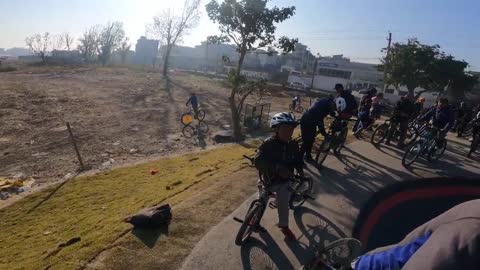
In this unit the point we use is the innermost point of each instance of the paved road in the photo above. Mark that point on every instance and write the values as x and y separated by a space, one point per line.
340 189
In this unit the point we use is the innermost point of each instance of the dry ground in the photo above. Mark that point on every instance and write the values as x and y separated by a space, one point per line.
111 110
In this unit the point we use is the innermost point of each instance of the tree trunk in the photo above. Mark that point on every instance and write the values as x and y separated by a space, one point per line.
237 129
165 62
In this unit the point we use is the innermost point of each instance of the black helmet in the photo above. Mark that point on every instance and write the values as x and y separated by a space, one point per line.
339 86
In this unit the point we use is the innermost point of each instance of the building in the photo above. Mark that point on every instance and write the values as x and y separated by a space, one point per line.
146 51
65 57
353 75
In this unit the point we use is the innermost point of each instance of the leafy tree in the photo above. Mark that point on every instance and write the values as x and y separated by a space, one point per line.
417 65
250 25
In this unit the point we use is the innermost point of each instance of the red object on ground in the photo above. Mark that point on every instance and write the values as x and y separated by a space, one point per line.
153 171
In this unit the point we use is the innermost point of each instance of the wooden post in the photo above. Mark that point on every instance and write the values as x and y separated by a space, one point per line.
72 138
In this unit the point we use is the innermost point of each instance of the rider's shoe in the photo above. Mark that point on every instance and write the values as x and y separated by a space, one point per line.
470 140
289 236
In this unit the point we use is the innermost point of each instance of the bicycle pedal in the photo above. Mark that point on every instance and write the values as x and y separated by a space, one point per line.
237 220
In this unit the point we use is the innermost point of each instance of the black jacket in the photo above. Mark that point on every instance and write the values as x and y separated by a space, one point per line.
273 154
404 109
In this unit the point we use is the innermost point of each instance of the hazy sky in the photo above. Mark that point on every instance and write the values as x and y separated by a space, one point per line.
355 28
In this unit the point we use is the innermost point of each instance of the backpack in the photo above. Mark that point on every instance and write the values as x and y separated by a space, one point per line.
154 216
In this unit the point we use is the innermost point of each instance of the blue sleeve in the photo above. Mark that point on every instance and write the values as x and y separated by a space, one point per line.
393 258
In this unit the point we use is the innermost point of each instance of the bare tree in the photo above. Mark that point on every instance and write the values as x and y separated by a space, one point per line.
89 44
170 28
110 40
39 45
68 39
124 49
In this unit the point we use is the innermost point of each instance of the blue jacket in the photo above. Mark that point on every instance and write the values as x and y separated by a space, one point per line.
319 110
193 101
443 118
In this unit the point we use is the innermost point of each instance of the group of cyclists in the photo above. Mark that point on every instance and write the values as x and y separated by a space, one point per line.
279 156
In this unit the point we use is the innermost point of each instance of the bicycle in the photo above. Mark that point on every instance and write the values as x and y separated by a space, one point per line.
337 255
428 144
338 132
298 108
380 133
187 118
359 126
189 131
251 222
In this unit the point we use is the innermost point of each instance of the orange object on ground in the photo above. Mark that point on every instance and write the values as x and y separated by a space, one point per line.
153 171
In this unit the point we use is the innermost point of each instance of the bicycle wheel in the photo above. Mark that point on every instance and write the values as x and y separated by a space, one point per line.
341 253
188 131
379 134
252 219
301 190
187 118
200 114
300 109
412 153
203 127
322 153
340 141
438 151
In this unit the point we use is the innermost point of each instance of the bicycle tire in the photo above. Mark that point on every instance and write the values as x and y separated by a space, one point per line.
322 153
341 140
382 132
203 127
432 156
188 131
417 145
186 119
200 115
298 199
342 252
246 229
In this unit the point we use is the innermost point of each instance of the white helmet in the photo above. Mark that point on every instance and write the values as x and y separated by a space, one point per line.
283 118
340 104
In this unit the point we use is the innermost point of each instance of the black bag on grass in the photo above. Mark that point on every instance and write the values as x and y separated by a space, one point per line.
153 216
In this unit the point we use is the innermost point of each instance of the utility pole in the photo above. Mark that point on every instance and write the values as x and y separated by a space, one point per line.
386 61
314 71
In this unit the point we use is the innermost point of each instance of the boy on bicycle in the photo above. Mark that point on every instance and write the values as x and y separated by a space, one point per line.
193 101
276 160
443 118
295 102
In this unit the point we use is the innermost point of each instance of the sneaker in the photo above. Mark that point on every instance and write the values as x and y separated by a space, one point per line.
289 236
470 140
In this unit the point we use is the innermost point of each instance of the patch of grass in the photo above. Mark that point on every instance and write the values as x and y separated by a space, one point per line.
93 207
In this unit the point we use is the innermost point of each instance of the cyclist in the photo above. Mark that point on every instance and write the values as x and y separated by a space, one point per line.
351 103
377 106
475 127
276 159
443 118
364 110
295 101
464 116
419 107
403 111
312 119
193 101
